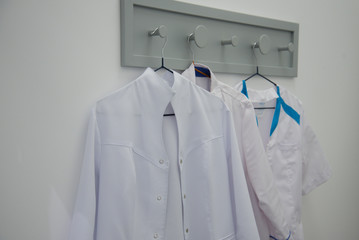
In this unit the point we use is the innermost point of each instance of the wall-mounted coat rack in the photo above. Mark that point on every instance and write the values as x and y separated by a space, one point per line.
225 41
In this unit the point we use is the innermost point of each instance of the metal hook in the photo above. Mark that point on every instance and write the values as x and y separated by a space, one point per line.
264 44
159 31
162 32
255 56
234 41
190 48
163 48
199 36
163 58
289 48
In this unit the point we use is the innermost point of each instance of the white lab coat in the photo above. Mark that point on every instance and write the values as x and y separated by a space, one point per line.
123 188
293 151
269 213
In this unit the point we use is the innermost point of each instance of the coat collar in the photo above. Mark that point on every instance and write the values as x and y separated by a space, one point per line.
190 74
196 112
267 95
133 115
257 95
159 91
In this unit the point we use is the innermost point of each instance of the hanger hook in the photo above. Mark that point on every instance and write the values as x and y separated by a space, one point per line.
255 56
190 48
163 48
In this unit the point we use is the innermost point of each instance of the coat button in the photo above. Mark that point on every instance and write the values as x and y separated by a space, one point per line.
181 161
161 161
159 198
155 236
186 230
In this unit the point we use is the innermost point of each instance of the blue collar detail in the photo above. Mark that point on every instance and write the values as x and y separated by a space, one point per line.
287 109
279 103
244 88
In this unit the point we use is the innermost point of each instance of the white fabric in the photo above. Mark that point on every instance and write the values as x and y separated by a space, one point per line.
294 153
174 223
126 166
269 214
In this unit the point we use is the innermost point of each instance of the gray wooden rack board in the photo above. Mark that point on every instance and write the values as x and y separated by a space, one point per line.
138 49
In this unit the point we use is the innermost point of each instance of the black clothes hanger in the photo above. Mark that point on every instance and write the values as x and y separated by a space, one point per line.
163 58
257 69
167 69
163 67
258 74
264 108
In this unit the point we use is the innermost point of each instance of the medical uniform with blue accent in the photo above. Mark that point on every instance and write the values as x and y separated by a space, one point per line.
293 151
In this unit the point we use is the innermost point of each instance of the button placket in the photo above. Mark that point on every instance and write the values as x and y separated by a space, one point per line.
180 160
159 198
184 195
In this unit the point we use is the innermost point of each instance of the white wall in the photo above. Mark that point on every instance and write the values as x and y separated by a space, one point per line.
58 57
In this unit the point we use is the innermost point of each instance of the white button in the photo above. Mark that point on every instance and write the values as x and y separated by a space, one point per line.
159 198
161 161
155 235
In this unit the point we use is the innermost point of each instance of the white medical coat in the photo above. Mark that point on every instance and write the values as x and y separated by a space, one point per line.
294 153
269 213
123 187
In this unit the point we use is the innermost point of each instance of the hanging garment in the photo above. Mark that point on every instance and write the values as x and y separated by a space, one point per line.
293 151
124 190
269 214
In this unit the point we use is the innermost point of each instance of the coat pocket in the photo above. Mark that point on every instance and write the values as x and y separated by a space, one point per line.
289 156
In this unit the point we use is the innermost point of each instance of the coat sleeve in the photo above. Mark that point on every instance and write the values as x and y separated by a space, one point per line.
316 169
84 215
246 228
260 176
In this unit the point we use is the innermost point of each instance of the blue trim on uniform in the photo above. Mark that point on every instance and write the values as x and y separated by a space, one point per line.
244 89
287 109
291 112
290 233
276 116
279 103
